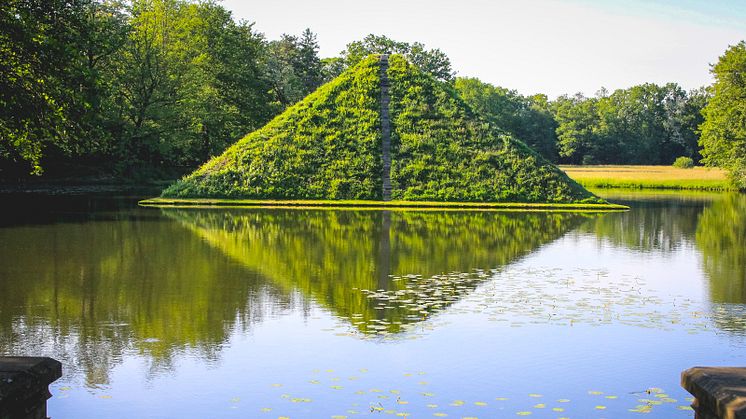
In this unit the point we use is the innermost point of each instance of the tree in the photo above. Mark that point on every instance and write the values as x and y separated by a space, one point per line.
723 138
526 118
293 67
189 83
644 124
577 125
39 75
432 61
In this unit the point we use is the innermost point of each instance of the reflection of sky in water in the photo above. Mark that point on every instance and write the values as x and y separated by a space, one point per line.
583 326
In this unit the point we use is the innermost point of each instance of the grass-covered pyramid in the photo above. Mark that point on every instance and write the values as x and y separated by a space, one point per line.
328 146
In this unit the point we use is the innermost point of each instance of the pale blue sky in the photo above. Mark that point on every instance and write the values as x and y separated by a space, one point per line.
533 46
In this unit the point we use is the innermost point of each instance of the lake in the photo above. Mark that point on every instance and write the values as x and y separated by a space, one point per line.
316 313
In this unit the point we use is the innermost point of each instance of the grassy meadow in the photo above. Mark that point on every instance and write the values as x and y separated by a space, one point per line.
650 177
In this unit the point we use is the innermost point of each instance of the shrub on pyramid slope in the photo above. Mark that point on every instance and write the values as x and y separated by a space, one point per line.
327 146
442 151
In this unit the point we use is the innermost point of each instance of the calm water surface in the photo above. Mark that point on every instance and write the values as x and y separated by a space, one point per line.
268 313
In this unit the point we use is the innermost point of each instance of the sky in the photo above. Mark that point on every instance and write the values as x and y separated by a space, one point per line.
553 47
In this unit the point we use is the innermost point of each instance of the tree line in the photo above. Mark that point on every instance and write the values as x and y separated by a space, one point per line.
123 87
91 86
644 124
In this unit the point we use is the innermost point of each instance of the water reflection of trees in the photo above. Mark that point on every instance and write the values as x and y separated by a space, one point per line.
89 292
92 292
721 237
335 256
657 224
714 223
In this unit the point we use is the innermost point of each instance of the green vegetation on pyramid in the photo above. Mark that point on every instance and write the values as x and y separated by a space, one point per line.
328 146
442 151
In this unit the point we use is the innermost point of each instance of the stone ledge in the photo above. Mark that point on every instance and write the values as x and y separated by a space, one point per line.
719 392
24 386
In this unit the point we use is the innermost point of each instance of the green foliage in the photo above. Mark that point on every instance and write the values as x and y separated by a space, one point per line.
723 137
645 124
41 79
293 68
526 118
189 82
442 151
326 146
433 61
683 162
144 83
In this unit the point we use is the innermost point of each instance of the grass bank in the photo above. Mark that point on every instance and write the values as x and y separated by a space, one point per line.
650 177
365 204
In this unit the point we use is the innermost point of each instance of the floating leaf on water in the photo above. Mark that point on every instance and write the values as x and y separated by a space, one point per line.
535 395
276 385
457 403
65 388
540 406
480 403
339 417
336 387
440 414
599 407
654 390
612 397
523 413
668 400
563 400
235 400
558 409
595 393
428 394
105 396
502 399
684 407
265 409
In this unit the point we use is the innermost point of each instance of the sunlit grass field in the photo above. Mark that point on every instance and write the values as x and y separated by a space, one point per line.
650 177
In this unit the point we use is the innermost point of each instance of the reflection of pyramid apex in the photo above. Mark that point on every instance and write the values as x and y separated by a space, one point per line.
382 129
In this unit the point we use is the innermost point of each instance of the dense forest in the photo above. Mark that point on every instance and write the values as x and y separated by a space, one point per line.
139 88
